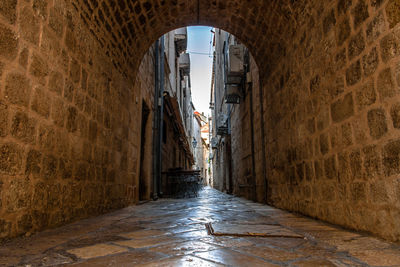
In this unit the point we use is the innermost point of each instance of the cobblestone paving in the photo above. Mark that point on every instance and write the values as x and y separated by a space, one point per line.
172 232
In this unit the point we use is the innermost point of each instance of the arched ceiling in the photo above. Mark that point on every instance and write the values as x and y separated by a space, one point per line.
127 28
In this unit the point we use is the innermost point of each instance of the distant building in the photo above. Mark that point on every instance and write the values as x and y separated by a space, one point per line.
235 111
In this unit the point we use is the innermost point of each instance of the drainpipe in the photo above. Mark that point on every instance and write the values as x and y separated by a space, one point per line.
253 162
161 122
264 155
155 121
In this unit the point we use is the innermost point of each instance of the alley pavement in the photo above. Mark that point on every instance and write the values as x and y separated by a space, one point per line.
214 229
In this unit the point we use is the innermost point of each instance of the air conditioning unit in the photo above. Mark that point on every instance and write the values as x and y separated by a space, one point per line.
181 40
232 93
184 63
234 79
214 142
236 60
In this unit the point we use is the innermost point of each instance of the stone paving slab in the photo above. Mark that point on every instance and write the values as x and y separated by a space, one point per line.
172 232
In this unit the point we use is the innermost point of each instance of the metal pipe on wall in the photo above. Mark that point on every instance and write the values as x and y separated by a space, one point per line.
161 119
156 120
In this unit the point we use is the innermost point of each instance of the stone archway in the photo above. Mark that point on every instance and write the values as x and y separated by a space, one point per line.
69 107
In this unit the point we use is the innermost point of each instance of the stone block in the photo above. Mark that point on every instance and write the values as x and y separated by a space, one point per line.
23 127
379 192
358 192
11 158
81 171
18 195
356 45
92 131
390 47
356 164
360 13
49 170
3 119
391 158
329 22
370 62
56 21
377 123
365 95
376 3
5 228
372 161
33 163
89 106
353 73
25 223
40 8
315 84
324 143
58 112
323 119
72 114
342 108
397 75
344 168
395 114
8 9
69 90
343 31
17 89
84 79
39 67
46 138
340 59
29 26
343 6
328 193
41 102
330 167
311 125
385 84
393 12
334 135
23 58
75 71
56 82
83 125
337 88
347 135
8 42
65 168
70 41
375 28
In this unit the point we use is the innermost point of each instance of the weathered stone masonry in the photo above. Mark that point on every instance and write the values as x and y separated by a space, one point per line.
69 137
333 115
69 109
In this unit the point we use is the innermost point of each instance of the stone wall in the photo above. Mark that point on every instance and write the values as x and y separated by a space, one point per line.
248 182
69 120
332 120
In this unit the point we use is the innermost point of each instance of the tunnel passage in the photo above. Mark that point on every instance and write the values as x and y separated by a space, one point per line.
70 104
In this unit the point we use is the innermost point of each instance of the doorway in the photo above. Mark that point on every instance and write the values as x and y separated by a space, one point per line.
143 174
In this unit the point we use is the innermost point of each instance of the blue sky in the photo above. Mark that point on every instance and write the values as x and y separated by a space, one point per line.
199 38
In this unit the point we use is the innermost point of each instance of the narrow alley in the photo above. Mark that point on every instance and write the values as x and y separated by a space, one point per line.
173 233
200 132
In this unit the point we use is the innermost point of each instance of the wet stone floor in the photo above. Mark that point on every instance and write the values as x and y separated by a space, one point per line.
173 232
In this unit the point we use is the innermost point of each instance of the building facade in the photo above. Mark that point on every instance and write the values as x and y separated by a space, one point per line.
235 128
